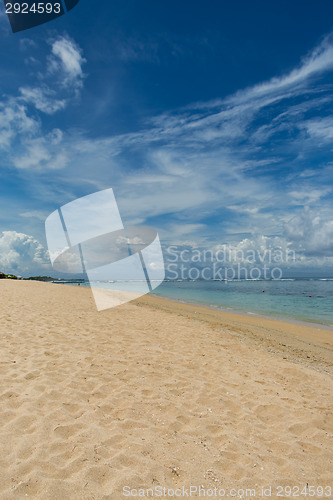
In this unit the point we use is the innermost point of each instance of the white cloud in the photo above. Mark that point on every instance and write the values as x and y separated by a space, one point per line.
21 132
308 195
38 214
27 44
15 120
311 233
214 161
66 62
320 60
230 118
43 99
22 254
42 153
259 252
259 249
320 129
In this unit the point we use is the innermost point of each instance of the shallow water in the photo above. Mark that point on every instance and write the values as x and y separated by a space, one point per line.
309 300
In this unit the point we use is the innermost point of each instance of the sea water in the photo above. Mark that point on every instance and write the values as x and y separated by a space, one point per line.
309 300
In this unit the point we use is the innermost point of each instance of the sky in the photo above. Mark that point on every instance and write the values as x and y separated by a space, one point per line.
212 122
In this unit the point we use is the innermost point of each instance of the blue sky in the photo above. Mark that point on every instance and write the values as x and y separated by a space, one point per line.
212 121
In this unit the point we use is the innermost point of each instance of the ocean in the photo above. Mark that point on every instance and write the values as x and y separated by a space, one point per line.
309 300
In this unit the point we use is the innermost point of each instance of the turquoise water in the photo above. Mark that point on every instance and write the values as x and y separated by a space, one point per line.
285 299
309 300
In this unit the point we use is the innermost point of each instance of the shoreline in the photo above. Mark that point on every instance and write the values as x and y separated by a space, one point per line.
309 344
233 311
237 311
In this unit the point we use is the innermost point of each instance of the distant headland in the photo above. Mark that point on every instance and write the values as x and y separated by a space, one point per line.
39 278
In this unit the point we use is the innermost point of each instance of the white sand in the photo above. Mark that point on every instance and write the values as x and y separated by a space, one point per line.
155 393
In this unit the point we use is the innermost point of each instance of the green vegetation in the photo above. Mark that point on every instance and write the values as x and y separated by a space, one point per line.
40 278
4 276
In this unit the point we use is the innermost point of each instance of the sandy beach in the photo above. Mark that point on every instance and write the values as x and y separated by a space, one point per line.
157 394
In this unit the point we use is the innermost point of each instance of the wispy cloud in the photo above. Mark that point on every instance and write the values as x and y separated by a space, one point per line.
61 79
210 172
154 47
15 121
321 130
66 62
319 61
22 133
43 98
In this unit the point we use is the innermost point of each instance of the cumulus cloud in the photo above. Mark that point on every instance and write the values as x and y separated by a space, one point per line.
238 166
212 161
254 257
311 234
22 254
